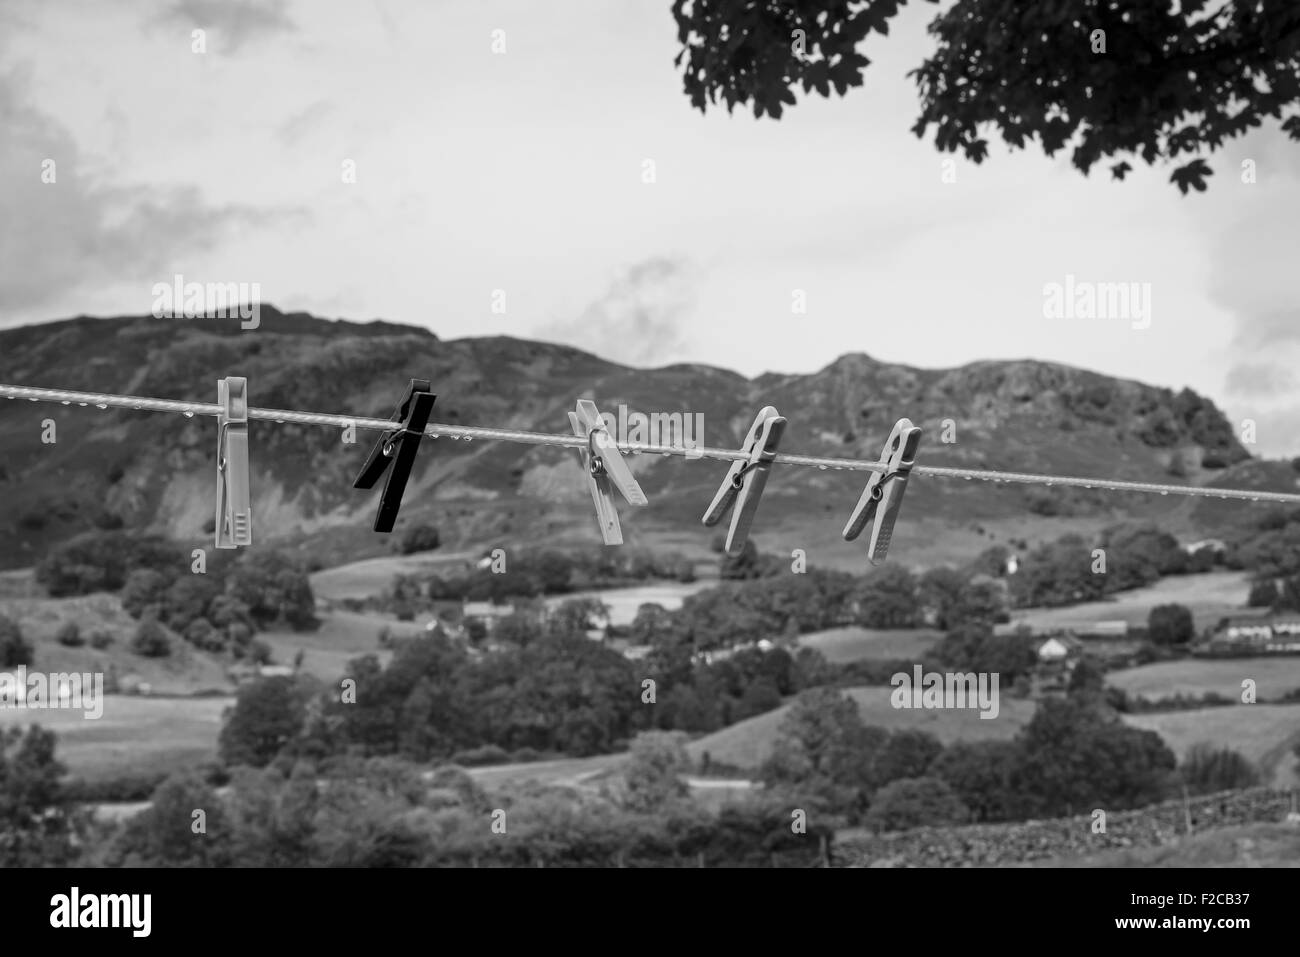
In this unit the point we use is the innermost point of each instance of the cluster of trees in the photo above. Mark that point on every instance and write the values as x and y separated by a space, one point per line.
1075 754
383 812
218 610
353 811
557 693
1068 570
1270 550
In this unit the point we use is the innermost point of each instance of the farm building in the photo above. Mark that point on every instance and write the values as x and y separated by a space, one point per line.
1270 634
486 612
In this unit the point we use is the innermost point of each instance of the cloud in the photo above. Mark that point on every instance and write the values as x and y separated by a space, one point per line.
638 319
77 233
292 130
233 22
1262 379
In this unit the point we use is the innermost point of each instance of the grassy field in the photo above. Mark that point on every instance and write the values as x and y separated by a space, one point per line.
135 735
748 743
624 602
842 645
185 671
342 636
374 575
1249 845
1273 677
1210 596
1265 734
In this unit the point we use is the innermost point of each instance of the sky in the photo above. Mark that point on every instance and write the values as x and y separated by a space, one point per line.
563 178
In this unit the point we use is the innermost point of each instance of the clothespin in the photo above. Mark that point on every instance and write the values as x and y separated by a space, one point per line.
605 467
883 496
234 511
397 447
746 478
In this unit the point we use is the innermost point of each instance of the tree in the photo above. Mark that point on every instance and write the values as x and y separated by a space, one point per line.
1116 80
825 753
37 822
267 714
1076 754
742 566
653 772
938 590
979 773
274 588
978 602
164 834
420 538
887 598
151 639
1206 770
908 753
915 802
69 635
1288 597
1170 625
14 649
1263 594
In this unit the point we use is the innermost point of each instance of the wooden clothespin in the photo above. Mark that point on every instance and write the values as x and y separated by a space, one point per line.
234 510
397 447
746 478
605 467
883 496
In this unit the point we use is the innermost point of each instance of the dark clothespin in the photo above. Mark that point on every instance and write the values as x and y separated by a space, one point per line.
883 496
606 469
397 448
234 508
746 479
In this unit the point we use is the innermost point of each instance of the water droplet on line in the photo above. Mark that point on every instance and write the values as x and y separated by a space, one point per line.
188 414
101 405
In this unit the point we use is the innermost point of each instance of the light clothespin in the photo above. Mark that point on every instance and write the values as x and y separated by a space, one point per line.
234 509
883 496
746 478
397 448
605 467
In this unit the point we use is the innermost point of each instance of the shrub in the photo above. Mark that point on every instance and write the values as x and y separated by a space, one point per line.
1171 625
100 639
70 635
421 538
1263 594
477 757
1206 770
915 802
14 649
151 639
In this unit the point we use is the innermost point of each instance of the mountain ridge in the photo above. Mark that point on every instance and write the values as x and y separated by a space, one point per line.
110 467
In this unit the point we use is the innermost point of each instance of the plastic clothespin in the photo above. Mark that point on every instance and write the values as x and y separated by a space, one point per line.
605 467
746 478
883 496
397 448
234 509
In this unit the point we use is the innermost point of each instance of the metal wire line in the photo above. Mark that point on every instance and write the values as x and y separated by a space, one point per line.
468 433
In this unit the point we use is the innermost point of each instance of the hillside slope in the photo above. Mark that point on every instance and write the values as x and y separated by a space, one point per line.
152 471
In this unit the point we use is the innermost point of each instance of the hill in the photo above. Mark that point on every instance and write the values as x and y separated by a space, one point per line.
147 471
